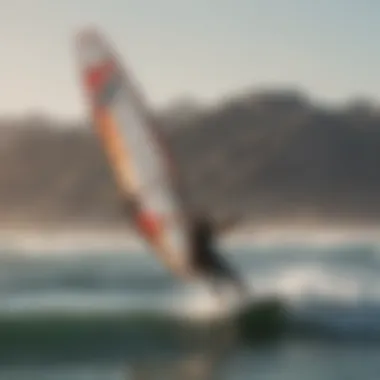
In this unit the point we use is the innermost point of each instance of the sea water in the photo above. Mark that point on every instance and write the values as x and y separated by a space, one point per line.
333 292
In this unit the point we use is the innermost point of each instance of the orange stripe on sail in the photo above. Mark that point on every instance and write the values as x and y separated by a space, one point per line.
116 151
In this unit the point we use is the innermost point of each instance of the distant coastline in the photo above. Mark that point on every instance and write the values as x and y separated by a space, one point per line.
274 154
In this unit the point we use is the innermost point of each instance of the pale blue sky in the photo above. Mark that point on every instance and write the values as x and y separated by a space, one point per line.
204 48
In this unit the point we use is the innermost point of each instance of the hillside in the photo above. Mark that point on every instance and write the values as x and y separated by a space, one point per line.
273 155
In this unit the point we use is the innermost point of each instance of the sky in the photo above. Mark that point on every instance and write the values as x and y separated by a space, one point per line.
206 49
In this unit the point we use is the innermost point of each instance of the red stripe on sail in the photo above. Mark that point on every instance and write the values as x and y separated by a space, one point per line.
97 76
149 224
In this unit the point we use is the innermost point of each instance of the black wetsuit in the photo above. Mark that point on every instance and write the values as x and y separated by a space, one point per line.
205 259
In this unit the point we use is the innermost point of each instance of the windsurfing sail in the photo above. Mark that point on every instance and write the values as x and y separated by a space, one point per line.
137 157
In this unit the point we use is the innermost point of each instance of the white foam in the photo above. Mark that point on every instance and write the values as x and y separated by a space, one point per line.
308 280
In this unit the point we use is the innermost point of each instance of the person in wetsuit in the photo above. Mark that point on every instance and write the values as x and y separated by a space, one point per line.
205 259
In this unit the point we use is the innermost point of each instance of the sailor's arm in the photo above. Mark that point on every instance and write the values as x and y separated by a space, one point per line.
228 223
220 226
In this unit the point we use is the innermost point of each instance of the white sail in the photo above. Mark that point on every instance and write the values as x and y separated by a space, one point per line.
137 157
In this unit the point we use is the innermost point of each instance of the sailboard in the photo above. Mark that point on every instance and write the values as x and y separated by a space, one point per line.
140 162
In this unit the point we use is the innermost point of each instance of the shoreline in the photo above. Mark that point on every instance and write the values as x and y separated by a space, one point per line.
74 238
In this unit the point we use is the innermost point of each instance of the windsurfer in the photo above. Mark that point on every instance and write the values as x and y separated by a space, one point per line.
206 260
204 257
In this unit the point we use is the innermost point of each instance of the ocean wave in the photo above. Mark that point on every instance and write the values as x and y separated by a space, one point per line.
333 319
94 303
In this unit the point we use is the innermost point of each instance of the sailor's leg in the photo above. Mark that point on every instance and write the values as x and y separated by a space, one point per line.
229 276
